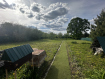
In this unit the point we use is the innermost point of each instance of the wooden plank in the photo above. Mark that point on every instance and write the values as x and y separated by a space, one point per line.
6 74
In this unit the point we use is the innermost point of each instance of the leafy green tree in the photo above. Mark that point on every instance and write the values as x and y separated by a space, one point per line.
66 35
98 29
60 35
77 27
85 35
10 32
45 35
52 35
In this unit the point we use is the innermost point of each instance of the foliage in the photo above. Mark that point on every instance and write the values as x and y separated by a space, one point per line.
74 42
26 71
66 35
98 29
16 33
52 35
60 35
85 35
10 32
84 64
77 27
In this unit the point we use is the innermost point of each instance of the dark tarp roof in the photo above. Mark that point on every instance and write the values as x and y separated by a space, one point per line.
87 39
16 53
102 42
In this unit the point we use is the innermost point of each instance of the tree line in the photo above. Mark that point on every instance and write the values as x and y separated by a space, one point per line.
10 32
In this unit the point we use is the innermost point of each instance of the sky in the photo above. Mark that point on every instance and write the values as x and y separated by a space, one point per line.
49 15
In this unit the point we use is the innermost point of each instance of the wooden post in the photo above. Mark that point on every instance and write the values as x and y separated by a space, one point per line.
15 74
6 74
32 63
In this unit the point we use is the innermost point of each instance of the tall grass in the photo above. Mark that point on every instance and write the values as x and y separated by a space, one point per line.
26 71
84 63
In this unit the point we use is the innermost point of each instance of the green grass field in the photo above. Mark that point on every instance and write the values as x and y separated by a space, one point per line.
60 68
83 64
50 46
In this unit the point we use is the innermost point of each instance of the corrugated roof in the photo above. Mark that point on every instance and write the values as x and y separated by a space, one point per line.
102 42
16 53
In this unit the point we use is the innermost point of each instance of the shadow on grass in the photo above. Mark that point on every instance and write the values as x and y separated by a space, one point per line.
53 73
74 42
85 43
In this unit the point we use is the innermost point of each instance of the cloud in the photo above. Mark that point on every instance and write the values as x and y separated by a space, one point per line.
62 20
49 13
22 7
25 10
60 29
55 13
41 12
56 24
51 17
91 21
22 10
4 4
30 15
52 25
35 7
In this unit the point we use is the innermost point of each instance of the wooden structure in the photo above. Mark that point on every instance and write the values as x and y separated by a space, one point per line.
1 61
38 57
16 56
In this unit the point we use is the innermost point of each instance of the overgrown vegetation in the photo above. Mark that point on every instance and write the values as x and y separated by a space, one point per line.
98 29
10 33
84 63
26 71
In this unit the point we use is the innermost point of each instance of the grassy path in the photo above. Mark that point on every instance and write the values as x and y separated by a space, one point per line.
60 68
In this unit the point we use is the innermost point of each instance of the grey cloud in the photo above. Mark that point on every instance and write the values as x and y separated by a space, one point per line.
39 16
5 5
64 20
30 15
59 29
53 25
35 7
25 9
22 10
55 13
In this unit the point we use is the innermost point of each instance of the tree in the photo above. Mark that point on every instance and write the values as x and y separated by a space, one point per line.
52 35
85 35
10 32
98 29
60 35
66 35
77 27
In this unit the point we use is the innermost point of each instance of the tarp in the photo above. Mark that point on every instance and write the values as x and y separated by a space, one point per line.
102 42
87 39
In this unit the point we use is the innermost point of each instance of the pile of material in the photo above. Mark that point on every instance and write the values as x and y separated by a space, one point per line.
98 51
38 57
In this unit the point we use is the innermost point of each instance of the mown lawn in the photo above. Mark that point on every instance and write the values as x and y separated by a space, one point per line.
84 64
60 69
26 71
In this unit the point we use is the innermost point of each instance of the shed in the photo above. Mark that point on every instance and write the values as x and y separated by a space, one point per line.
16 56
38 57
101 41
